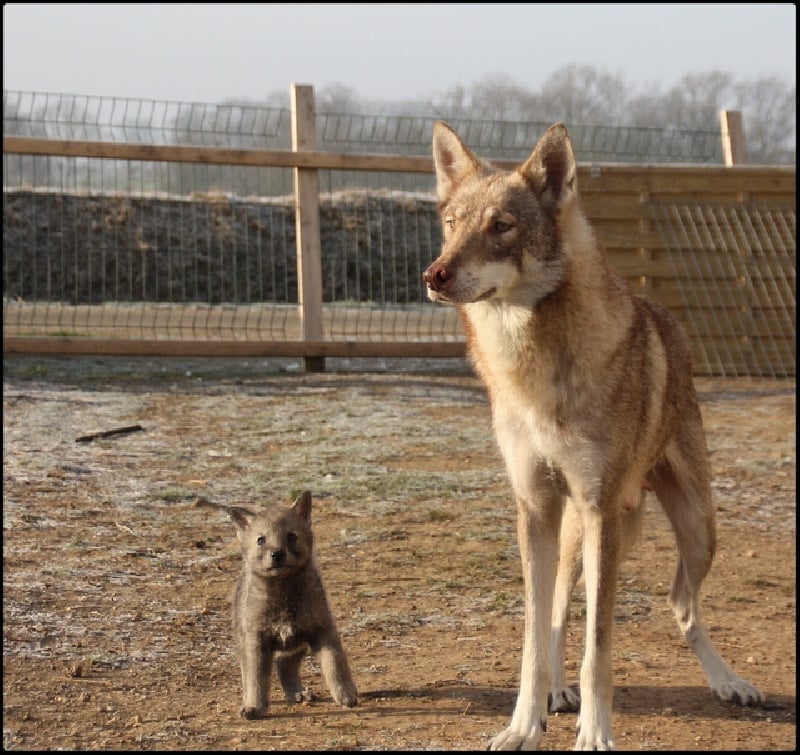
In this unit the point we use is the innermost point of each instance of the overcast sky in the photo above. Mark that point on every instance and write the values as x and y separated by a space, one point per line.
389 52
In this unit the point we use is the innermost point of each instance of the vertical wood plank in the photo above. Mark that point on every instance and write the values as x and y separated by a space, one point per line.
309 247
734 151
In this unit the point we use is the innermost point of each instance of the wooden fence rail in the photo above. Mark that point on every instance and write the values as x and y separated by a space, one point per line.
618 198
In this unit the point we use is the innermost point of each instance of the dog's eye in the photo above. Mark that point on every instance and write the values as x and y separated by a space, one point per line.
502 227
291 538
261 540
450 223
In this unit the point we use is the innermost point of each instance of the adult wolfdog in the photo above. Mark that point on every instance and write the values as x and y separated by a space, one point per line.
592 404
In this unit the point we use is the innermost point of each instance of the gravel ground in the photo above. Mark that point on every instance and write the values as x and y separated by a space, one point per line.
116 588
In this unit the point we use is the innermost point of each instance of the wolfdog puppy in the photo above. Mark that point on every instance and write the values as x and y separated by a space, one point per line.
281 610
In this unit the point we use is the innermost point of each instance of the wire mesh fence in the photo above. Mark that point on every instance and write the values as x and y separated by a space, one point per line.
243 126
143 121
217 266
98 247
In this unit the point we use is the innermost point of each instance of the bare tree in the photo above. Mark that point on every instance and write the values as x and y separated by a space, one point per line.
582 94
338 98
693 103
497 98
769 111
454 102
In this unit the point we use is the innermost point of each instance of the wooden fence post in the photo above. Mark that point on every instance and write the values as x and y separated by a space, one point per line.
734 151
309 247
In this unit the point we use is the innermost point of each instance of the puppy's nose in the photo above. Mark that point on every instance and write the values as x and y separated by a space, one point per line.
437 276
277 556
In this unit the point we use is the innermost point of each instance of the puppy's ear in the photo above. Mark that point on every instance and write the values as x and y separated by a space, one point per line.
455 163
241 518
302 506
551 170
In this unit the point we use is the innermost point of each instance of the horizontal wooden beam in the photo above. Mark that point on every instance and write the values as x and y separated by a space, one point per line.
623 176
272 158
78 346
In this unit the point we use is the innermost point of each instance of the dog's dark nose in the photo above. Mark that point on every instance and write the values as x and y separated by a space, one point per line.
437 276
277 556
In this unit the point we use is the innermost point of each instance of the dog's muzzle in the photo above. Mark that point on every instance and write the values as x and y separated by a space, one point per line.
437 277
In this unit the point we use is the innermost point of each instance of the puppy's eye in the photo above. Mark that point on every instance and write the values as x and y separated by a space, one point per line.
502 227
291 538
261 540
450 223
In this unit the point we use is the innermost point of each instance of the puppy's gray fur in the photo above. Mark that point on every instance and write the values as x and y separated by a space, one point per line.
281 610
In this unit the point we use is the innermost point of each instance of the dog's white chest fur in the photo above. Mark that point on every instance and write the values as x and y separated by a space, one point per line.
534 417
501 330
507 352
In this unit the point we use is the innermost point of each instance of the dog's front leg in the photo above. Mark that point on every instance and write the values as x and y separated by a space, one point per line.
256 666
336 669
537 529
601 555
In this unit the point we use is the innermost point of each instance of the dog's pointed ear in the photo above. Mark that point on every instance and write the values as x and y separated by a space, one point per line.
551 170
241 517
454 161
302 505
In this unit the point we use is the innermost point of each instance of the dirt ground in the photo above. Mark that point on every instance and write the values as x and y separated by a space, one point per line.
116 589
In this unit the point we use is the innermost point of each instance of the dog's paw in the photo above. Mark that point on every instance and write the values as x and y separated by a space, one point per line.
595 735
739 691
593 740
299 696
564 700
346 696
253 713
518 738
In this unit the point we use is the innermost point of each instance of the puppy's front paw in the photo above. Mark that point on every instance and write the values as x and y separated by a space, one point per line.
345 695
739 691
253 713
300 696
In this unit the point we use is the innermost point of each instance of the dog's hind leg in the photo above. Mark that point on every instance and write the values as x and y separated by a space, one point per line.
681 482
563 698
